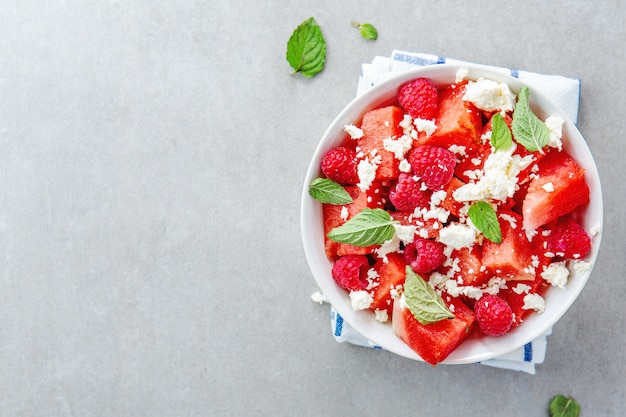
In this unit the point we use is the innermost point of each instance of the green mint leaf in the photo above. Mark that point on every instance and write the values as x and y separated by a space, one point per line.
367 30
306 49
485 219
369 227
424 303
501 138
562 406
528 130
328 191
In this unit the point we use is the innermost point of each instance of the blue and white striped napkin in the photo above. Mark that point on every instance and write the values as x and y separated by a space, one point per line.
562 90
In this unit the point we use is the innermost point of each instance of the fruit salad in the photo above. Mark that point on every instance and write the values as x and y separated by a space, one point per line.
451 211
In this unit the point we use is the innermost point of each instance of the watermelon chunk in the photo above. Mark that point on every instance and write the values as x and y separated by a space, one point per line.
511 259
332 214
558 189
433 342
378 125
459 122
391 273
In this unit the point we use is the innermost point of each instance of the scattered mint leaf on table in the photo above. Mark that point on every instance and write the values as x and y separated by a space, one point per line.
501 138
424 303
369 227
485 219
562 406
306 49
528 130
328 191
367 30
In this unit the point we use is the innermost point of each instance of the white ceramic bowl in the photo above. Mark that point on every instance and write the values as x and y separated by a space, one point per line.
473 349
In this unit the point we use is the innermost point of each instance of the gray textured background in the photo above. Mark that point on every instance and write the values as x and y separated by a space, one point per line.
152 155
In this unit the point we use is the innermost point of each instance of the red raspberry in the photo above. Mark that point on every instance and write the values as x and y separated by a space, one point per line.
340 164
350 272
424 255
419 98
493 314
567 239
408 194
433 164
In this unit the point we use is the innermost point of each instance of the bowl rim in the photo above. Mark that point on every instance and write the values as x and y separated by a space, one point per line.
363 321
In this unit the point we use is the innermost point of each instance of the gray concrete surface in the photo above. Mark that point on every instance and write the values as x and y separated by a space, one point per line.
152 155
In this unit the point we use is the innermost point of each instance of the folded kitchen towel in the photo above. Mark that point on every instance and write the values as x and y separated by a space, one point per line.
562 90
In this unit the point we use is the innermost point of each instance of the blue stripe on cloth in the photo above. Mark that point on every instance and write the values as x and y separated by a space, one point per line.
338 325
416 60
515 73
441 60
528 352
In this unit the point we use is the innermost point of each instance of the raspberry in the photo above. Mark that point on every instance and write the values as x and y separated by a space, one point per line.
424 255
493 314
340 164
419 98
350 272
408 194
567 239
433 164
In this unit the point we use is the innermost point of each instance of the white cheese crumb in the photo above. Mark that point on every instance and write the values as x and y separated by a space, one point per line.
398 147
360 300
521 289
344 213
426 126
548 187
580 267
490 95
555 129
595 230
534 302
556 274
381 315
366 170
353 131
319 298
512 220
404 166
458 149
457 235
461 75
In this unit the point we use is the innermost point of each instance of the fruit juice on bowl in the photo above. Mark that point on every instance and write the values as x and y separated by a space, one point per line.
475 346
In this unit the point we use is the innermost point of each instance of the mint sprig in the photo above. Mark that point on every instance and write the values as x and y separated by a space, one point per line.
501 138
367 30
485 219
424 303
562 406
306 49
328 191
369 227
528 130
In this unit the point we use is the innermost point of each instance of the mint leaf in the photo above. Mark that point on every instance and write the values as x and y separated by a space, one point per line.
500 133
528 130
485 219
369 227
424 303
562 406
328 191
367 30
306 49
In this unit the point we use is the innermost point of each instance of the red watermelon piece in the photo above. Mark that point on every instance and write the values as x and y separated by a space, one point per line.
378 125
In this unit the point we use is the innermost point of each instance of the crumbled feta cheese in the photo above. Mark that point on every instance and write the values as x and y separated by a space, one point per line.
548 187
458 149
556 274
534 302
319 298
344 213
521 289
426 126
595 230
404 166
555 129
499 180
457 235
512 220
580 267
461 75
360 300
366 170
490 95
398 147
353 131
381 315
406 234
